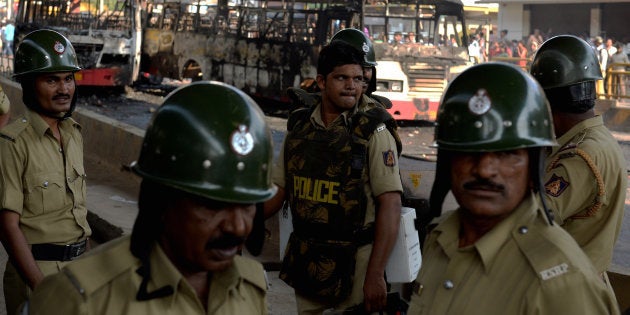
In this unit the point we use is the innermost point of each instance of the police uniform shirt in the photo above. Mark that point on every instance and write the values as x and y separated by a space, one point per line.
522 266
42 182
105 281
4 102
585 184
384 173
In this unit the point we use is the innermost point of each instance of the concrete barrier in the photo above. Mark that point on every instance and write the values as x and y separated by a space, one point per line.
111 143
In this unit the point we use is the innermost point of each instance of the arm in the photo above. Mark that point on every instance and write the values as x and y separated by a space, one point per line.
385 234
16 246
274 204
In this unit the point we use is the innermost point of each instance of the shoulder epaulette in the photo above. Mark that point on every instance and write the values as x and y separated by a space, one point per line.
299 115
537 245
382 100
13 130
251 271
110 260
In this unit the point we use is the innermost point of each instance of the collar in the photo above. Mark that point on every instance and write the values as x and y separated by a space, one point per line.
164 273
365 103
41 126
488 245
576 130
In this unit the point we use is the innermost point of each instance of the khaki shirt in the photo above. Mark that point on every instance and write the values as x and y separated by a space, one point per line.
5 104
42 182
380 177
522 266
105 281
592 216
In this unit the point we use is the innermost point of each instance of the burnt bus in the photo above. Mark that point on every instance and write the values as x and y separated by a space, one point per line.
264 47
106 37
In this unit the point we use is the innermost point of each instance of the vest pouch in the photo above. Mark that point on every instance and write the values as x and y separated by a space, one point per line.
319 269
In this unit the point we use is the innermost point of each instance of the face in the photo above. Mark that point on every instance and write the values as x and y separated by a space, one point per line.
490 185
54 91
205 235
341 88
367 77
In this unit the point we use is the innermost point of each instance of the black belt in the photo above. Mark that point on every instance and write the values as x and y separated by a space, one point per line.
55 252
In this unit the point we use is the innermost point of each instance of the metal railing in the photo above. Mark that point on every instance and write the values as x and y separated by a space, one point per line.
617 83
524 63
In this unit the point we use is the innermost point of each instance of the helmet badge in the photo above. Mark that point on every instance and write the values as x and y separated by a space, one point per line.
365 47
242 141
59 47
480 103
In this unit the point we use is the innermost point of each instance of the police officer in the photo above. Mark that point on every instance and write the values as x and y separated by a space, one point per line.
43 217
585 177
339 172
500 252
205 162
361 42
304 97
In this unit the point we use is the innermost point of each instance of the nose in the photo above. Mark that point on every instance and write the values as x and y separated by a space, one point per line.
485 165
239 220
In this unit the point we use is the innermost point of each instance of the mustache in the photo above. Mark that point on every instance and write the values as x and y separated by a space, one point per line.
59 96
226 241
483 184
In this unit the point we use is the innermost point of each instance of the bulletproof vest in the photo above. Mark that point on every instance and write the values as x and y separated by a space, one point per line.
324 170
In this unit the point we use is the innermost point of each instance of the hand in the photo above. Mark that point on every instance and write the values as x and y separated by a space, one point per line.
374 293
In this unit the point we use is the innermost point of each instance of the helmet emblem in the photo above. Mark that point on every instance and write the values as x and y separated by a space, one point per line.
365 47
59 47
479 104
242 141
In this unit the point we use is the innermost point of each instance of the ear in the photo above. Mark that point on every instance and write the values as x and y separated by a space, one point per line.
321 82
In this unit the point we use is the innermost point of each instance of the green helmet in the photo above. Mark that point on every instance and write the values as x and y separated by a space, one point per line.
359 41
211 140
493 107
45 51
565 60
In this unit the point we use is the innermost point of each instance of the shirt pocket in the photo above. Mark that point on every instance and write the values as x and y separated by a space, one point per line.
77 183
45 192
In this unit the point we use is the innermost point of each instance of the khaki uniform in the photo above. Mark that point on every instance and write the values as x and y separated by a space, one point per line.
522 266
388 180
585 185
105 282
4 102
46 186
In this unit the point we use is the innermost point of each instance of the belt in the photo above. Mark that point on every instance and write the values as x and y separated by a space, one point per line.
55 252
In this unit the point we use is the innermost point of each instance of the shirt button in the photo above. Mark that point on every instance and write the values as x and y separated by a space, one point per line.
45 184
448 284
523 230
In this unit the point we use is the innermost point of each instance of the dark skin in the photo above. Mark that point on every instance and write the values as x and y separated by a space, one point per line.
563 122
341 90
54 93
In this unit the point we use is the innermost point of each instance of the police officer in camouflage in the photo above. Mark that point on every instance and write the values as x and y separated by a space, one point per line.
43 216
309 95
338 171
500 252
205 163
585 176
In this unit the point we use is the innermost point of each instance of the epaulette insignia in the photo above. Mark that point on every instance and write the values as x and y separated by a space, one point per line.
568 146
380 128
554 271
556 185
388 158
